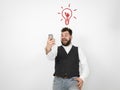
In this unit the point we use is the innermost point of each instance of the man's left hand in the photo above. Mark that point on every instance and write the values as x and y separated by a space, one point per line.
80 82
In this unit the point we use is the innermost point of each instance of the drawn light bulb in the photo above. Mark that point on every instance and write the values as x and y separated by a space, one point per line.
67 14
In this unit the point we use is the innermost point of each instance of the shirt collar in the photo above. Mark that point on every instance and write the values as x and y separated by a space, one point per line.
69 46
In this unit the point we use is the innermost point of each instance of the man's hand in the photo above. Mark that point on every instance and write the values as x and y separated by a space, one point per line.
80 82
49 45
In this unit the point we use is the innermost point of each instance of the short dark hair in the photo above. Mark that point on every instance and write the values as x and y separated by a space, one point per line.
67 29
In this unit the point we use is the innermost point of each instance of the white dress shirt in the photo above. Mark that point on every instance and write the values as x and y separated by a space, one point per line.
84 70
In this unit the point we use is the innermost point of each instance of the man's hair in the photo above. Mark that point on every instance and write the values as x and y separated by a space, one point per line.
67 29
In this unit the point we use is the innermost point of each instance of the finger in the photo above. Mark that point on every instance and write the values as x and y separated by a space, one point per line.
51 41
79 85
80 88
77 79
79 82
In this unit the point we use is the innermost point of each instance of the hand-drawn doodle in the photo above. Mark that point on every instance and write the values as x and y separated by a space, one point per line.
67 13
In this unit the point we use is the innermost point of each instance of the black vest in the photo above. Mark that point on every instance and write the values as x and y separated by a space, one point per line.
67 64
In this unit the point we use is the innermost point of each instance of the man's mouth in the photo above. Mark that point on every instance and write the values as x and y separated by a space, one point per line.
64 39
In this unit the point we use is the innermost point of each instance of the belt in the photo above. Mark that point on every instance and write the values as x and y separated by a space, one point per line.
64 77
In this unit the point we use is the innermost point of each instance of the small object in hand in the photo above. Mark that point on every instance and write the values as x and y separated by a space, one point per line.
50 36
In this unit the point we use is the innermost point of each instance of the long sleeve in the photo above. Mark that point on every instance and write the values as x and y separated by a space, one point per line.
84 69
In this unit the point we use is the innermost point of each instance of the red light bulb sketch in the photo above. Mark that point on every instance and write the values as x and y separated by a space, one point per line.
67 13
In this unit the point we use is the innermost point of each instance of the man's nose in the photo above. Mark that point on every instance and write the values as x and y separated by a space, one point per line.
63 38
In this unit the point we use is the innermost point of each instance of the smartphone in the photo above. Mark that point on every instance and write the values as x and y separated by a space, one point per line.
50 36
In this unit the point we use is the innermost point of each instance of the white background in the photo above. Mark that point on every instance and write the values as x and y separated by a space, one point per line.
25 25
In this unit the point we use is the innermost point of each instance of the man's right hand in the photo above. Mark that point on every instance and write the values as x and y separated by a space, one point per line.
50 44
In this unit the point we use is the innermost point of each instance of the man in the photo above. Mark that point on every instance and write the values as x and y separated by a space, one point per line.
71 67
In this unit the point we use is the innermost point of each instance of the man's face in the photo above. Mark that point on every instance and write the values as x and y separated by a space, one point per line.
65 38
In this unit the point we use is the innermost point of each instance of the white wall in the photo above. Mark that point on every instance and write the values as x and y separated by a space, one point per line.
24 26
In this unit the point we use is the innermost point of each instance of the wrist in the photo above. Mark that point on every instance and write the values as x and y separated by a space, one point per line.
47 49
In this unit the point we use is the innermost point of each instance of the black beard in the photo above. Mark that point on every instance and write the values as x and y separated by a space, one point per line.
68 43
